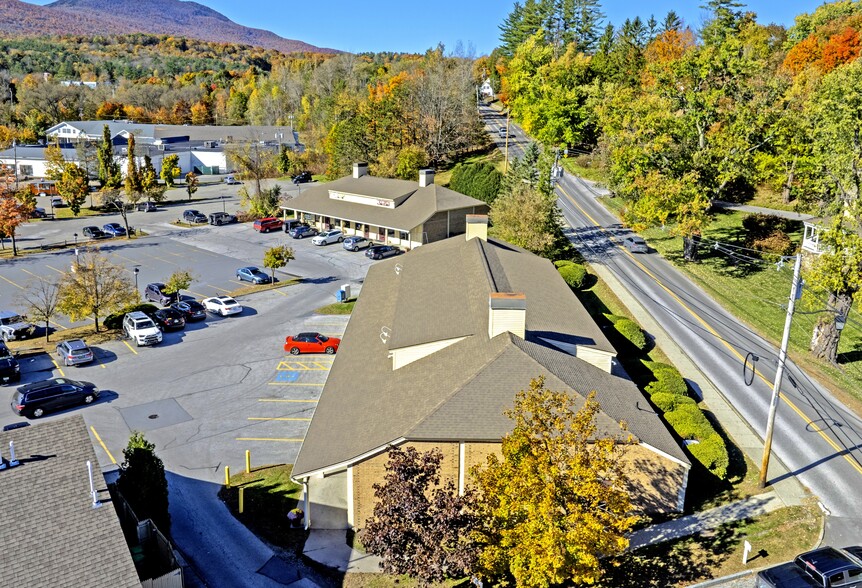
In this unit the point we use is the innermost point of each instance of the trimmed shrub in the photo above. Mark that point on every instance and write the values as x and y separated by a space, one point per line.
479 180
613 318
689 422
668 381
712 453
563 262
115 321
574 274
778 243
631 331
669 402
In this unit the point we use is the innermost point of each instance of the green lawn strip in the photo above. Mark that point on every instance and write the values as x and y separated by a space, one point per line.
65 212
492 155
582 165
268 496
337 308
775 538
252 288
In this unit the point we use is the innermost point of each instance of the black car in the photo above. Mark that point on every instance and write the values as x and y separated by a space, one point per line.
155 292
192 310
302 177
221 218
36 399
94 233
194 216
169 319
381 251
10 371
302 231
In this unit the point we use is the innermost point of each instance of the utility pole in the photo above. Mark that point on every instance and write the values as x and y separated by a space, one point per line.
779 373
506 166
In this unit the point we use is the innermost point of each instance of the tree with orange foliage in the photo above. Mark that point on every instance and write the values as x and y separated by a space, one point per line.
840 49
803 54
669 46
14 211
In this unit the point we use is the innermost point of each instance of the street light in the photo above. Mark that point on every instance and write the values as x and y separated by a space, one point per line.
76 239
136 270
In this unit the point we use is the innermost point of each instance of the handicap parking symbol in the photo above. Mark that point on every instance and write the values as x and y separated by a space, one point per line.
286 376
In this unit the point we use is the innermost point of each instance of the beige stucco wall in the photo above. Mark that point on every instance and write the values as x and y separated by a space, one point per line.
327 497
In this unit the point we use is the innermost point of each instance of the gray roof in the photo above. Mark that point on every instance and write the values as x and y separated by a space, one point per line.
51 536
418 204
194 132
440 292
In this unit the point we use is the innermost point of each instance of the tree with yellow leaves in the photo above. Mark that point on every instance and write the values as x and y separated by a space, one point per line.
556 503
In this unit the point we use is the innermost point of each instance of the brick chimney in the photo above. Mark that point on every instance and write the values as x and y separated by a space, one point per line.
507 311
477 226
360 169
426 177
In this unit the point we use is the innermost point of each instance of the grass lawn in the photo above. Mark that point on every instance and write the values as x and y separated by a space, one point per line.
490 155
337 307
65 212
252 288
584 166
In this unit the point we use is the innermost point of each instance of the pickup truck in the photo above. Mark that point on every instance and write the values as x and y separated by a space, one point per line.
826 567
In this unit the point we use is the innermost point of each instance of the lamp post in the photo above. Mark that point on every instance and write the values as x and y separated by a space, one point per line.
136 270
76 240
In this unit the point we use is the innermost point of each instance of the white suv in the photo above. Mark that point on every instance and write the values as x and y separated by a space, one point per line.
327 237
141 328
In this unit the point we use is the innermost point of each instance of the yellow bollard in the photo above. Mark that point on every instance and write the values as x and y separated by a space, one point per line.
241 498
227 476
247 461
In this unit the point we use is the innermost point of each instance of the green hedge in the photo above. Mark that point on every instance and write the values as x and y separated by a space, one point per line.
689 422
712 453
631 331
668 402
115 321
613 318
668 380
573 273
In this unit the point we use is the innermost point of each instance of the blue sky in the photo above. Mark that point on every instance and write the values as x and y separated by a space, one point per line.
411 26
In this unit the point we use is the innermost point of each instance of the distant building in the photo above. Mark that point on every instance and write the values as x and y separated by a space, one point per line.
486 90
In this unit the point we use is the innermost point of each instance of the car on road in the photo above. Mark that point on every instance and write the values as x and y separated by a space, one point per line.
302 231
311 343
192 310
155 292
141 329
37 398
74 352
169 319
38 212
57 202
114 230
253 275
194 216
146 207
222 305
381 251
265 225
635 244
221 218
356 243
292 223
14 326
302 177
231 181
503 132
10 371
327 237
93 232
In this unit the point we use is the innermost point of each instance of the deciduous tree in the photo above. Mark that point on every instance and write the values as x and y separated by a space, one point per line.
109 170
96 288
41 298
170 169
191 183
526 218
180 280
14 211
277 257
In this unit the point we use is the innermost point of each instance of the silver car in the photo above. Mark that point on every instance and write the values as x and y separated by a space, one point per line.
356 243
327 237
635 244
74 352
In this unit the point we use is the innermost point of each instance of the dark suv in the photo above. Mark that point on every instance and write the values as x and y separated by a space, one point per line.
10 371
156 293
302 231
34 400
194 216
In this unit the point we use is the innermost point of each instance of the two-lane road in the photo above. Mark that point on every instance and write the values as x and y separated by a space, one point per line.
816 437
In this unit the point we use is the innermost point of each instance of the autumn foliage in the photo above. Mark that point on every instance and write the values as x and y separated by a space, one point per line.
841 48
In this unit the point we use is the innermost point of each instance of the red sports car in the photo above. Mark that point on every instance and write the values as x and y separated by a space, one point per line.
311 343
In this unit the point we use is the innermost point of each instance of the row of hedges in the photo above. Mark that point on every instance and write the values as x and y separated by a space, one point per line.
573 273
115 321
669 393
630 330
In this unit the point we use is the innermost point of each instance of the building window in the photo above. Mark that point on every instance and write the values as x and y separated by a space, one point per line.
25 170
390 233
405 236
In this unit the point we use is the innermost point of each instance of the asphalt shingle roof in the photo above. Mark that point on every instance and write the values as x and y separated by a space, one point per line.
440 292
51 536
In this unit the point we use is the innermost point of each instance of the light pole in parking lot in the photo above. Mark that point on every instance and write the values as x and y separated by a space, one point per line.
76 240
136 270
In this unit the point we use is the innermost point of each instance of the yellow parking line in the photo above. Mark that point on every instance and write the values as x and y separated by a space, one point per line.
57 324
130 347
50 267
217 288
285 439
165 260
102 443
289 366
13 283
278 419
198 294
29 272
285 400
59 369
134 261
238 282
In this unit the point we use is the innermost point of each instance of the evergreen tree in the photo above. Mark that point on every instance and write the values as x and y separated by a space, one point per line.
109 169
133 175
143 483
671 22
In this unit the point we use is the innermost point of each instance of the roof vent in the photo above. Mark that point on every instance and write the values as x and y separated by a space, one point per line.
93 494
360 169
385 333
426 177
477 226
507 311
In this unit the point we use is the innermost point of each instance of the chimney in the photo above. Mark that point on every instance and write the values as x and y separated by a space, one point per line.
477 226
360 169
507 311
426 177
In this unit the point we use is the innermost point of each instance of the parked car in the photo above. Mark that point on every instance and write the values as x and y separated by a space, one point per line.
302 231
311 343
74 352
825 567
141 329
114 230
38 212
94 232
14 326
37 398
155 292
192 310
221 218
253 275
635 244
169 319
356 243
223 305
265 225
230 180
292 223
302 177
327 237
57 202
146 207
381 251
10 371
194 217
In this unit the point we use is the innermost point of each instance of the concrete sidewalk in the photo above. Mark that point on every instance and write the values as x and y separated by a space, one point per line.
329 548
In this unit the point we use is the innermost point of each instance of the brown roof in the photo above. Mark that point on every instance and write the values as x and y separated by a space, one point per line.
51 535
440 292
419 205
